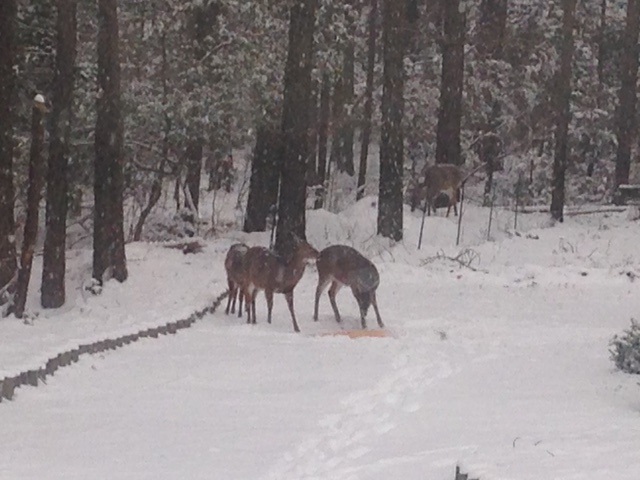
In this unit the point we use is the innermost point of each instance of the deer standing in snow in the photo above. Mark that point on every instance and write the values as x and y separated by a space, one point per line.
341 266
233 264
265 270
442 178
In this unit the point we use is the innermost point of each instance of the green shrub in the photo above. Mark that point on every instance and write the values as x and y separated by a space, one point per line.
625 349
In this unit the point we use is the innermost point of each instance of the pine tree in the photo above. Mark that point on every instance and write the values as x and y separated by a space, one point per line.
54 264
108 235
8 13
391 145
627 96
450 113
562 111
295 123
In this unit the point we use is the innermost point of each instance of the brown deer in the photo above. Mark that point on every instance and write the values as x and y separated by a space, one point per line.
265 270
442 178
233 264
341 265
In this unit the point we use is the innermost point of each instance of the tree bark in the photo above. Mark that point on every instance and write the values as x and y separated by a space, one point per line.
491 29
563 112
8 18
391 146
295 122
450 113
263 185
194 168
108 239
601 40
372 35
323 136
54 264
34 191
627 95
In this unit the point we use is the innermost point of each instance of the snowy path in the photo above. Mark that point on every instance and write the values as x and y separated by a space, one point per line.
507 374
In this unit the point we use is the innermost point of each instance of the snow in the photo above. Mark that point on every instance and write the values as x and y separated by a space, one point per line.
502 368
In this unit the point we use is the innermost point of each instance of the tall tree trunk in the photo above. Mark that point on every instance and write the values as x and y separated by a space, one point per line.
372 35
348 82
601 40
8 16
491 28
413 29
323 136
108 238
348 85
34 191
54 264
295 122
563 111
312 167
627 97
265 177
194 168
391 146
450 112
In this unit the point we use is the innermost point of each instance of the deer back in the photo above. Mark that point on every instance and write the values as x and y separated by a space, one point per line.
442 177
266 270
349 267
234 261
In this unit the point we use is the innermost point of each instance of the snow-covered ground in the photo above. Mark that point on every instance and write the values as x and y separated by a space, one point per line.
502 368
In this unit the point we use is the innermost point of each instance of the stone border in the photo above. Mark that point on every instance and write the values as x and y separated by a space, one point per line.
39 375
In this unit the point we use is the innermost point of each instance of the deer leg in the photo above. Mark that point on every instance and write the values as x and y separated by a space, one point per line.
333 290
253 306
231 292
289 297
269 295
235 297
322 284
240 300
247 304
374 302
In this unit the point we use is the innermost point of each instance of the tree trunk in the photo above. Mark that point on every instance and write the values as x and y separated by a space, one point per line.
368 98
194 169
8 15
295 121
54 264
108 239
391 146
323 136
34 191
263 185
348 85
154 196
450 112
627 95
491 29
601 39
563 111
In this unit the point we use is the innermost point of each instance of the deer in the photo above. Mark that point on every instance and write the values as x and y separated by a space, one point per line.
268 271
233 264
341 265
442 178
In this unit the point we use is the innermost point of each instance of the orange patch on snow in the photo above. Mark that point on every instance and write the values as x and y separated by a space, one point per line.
355 334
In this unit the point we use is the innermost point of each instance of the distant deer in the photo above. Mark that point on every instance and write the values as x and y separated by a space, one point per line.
438 179
265 270
341 265
233 264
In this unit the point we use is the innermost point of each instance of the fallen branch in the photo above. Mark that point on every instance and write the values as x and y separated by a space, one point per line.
465 258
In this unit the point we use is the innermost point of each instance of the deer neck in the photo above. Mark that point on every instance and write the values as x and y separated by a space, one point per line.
290 272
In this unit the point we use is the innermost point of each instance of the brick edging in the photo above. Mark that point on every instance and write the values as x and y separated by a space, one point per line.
35 376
